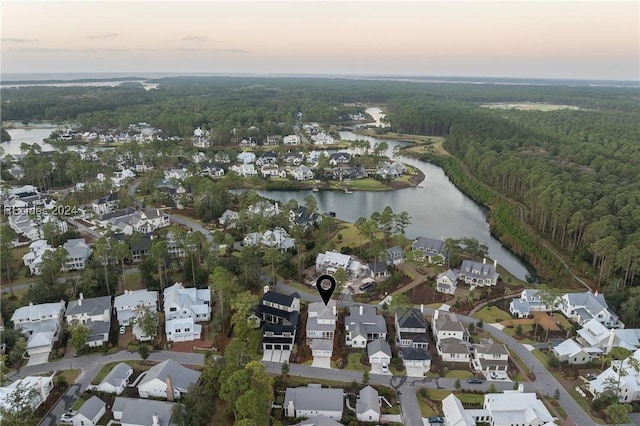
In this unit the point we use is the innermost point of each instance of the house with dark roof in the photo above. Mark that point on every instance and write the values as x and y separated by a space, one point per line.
378 270
411 329
478 274
95 314
279 314
106 204
430 248
301 216
337 158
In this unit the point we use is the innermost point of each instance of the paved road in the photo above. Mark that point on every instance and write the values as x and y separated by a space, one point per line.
544 384
193 224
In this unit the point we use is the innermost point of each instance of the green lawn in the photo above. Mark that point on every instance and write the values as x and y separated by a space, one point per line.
471 398
526 328
426 409
69 375
459 374
562 320
368 184
491 314
542 357
355 364
438 394
583 403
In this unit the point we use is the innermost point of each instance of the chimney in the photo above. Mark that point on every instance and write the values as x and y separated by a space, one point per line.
80 299
361 310
612 335
335 311
495 263
30 303
169 388
596 293
484 260
265 289
422 308
441 237
291 411
155 419
435 314
521 388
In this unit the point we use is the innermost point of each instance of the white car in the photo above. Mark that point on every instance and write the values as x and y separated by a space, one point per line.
123 329
66 418
385 367
496 376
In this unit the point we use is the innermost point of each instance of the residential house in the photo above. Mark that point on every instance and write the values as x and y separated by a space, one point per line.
447 282
478 274
130 305
302 172
388 171
512 407
321 348
574 353
221 157
143 412
263 208
323 138
245 170
252 239
330 261
337 158
349 173
168 380
212 170
411 329
582 307
272 170
530 300
379 352
90 412
321 321
416 361
116 380
293 158
24 225
246 157
452 339
95 314
183 309
489 357
279 313
313 400
268 157
278 238
42 386
229 219
291 140
33 258
177 174
363 325
301 216
318 420
368 405
106 204
39 324
272 140
79 252
378 270
625 374
394 255
429 248
248 142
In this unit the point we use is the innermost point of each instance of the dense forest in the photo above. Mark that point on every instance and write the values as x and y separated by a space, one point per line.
573 175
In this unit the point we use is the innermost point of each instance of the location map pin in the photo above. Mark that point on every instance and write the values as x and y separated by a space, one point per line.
326 285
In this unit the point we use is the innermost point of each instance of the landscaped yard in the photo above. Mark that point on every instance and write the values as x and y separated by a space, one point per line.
459 374
354 363
542 357
491 314
561 320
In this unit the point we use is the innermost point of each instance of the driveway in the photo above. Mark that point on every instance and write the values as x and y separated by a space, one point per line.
38 359
376 368
321 361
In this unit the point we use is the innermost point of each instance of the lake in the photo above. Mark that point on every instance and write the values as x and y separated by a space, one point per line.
33 133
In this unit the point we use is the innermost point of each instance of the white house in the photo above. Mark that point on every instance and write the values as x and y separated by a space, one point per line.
95 314
573 353
582 307
291 140
452 339
379 352
90 412
245 170
79 252
530 300
116 380
321 321
106 204
302 172
168 380
130 305
142 412
246 157
489 357
394 255
183 308
40 325
446 282
313 400
40 386
478 274
330 261
512 407
363 325
430 248
33 258
368 405
626 373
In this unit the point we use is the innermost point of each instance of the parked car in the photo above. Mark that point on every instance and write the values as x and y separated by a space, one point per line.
385 367
436 419
474 380
66 418
496 376
123 329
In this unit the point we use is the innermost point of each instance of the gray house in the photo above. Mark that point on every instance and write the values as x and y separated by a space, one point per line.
313 400
90 413
116 380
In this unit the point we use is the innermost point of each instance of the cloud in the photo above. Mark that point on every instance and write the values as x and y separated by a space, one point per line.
196 38
18 40
103 35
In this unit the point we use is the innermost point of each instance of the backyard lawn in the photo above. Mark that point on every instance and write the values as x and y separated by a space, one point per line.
491 314
459 374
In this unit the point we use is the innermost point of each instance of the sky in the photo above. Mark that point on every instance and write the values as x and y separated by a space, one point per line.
522 39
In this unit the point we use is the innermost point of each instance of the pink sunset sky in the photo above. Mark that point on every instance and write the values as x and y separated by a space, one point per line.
562 39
